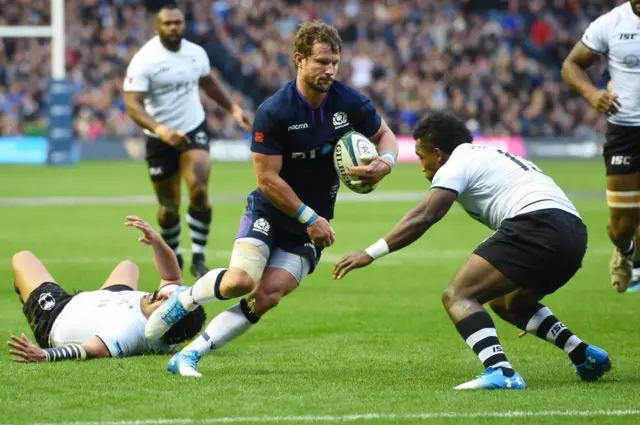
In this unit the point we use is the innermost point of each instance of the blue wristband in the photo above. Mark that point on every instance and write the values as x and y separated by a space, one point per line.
389 156
306 215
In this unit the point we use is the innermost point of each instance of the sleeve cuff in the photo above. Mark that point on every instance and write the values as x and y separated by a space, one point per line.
590 47
445 188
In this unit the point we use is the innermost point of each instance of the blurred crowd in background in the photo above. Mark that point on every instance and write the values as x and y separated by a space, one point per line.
495 63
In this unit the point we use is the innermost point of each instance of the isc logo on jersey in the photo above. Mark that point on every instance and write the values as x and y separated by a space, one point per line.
620 160
351 150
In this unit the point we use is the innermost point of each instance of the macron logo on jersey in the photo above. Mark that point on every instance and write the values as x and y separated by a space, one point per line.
298 127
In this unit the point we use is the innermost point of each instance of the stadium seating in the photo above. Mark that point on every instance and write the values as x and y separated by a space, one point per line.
498 68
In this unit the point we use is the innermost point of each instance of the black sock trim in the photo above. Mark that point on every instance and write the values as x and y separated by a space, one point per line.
628 250
473 323
246 310
485 343
179 258
563 337
527 313
545 326
579 354
202 216
216 286
476 322
170 222
507 372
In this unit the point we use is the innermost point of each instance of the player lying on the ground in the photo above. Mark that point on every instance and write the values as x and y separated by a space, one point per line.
286 222
539 244
108 322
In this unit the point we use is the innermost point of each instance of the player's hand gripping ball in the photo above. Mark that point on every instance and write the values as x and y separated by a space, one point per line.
354 149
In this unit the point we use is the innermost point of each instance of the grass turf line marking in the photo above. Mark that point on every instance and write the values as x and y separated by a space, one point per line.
367 416
228 199
398 258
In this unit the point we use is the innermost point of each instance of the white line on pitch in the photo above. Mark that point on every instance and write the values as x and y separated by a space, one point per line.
367 416
395 259
343 197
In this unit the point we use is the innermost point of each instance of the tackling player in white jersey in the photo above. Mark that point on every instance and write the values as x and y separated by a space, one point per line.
616 36
538 245
162 97
108 322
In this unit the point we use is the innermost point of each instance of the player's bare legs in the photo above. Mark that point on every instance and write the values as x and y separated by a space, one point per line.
195 166
476 283
276 283
248 261
247 266
522 308
126 273
168 194
28 274
623 197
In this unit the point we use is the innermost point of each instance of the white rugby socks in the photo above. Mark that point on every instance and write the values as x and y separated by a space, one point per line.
225 327
205 290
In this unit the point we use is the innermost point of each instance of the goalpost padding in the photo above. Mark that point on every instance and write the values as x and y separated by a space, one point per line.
62 148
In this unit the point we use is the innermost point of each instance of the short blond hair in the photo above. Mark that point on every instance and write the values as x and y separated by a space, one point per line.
310 33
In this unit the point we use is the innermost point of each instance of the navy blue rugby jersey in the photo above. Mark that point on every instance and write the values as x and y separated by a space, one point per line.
286 124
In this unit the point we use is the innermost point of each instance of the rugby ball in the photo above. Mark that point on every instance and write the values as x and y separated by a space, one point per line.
353 149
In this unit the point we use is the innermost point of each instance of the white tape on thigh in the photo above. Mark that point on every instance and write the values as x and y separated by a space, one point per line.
251 260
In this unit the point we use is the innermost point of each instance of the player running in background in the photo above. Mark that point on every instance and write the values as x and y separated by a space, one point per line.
539 243
616 36
108 322
286 221
162 97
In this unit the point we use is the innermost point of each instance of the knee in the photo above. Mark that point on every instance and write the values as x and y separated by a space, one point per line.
20 257
237 282
449 296
130 266
169 208
457 294
266 299
198 195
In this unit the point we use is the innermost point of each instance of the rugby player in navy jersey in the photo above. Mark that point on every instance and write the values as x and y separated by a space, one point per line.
286 222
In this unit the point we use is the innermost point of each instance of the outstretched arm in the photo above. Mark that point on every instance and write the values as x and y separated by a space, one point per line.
417 221
27 352
163 256
408 230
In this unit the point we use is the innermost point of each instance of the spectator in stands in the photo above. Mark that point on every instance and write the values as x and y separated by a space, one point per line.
495 63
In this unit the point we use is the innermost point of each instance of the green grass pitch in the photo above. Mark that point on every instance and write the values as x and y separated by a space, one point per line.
377 342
